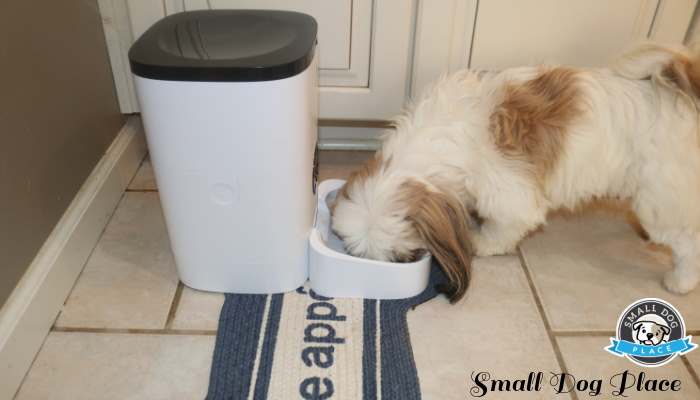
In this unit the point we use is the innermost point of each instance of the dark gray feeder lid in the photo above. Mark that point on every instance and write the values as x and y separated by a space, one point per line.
225 46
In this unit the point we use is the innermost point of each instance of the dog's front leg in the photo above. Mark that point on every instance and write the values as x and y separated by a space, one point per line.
509 212
685 275
501 236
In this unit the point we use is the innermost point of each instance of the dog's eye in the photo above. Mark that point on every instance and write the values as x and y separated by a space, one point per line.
644 331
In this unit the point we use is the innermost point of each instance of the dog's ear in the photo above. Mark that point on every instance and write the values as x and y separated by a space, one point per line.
636 326
666 329
442 223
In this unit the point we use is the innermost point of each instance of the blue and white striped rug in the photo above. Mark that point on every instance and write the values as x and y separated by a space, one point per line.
302 345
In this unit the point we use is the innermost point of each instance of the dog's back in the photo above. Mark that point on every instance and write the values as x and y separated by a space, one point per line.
512 145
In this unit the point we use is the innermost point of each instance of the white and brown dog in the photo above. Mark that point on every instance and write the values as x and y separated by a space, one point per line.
512 145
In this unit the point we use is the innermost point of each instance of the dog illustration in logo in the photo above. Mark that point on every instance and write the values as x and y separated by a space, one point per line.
651 330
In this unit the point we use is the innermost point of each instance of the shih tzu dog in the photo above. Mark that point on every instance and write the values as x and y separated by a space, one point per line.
480 158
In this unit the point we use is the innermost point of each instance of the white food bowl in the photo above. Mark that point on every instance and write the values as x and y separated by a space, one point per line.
334 273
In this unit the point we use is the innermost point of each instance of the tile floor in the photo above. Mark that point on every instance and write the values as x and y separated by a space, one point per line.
129 330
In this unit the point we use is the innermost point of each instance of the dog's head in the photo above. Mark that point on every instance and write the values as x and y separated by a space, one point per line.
385 216
650 333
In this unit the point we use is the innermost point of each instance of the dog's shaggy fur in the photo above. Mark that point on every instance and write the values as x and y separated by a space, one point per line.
510 146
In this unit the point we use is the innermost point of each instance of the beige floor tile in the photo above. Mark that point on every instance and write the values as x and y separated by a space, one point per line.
75 366
144 178
694 358
586 359
198 310
496 328
130 279
588 269
339 164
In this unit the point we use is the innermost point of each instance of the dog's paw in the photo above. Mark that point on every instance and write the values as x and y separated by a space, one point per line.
679 283
482 252
487 248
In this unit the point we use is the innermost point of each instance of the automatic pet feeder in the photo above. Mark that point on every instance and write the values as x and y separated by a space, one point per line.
229 103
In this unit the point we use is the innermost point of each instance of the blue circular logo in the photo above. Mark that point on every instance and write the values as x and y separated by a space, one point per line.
650 333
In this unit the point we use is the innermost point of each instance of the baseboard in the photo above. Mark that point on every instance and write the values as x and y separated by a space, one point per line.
30 311
356 137
348 144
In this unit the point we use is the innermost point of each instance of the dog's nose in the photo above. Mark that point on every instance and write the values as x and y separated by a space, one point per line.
650 335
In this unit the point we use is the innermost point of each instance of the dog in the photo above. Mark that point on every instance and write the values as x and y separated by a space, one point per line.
651 333
478 161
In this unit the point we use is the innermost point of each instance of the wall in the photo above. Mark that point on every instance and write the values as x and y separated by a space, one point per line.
58 114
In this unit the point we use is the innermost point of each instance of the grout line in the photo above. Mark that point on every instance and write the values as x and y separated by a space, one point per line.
31 366
691 370
583 333
87 260
174 305
543 317
200 332
143 160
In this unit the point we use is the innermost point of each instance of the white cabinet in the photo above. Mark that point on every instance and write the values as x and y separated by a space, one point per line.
343 42
374 54
364 47
506 33
575 32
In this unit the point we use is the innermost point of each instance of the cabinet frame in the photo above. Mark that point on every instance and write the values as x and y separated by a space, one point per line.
445 34
373 88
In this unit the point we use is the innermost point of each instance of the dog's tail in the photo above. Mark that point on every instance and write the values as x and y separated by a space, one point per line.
675 68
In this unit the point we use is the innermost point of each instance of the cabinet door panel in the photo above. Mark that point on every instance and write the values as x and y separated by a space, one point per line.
333 17
364 48
443 35
142 14
586 33
344 28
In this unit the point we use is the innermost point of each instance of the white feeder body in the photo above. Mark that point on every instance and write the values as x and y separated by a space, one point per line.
234 164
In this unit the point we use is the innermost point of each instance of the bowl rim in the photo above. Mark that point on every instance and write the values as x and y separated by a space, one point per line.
318 244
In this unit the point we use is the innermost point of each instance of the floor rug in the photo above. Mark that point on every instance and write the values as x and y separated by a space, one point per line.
300 345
